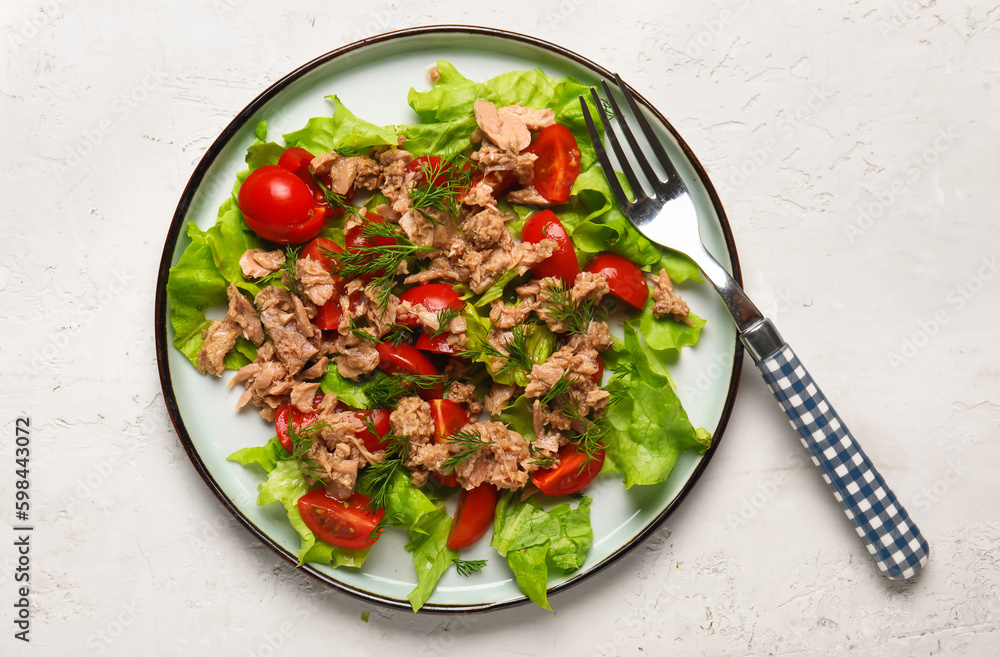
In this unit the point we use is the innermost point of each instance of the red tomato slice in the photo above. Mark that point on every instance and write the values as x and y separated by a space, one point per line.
408 359
279 207
344 524
322 249
288 414
449 480
473 516
572 474
625 279
449 417
558 163
438 344
380 420
562 263
429 166
435 297
297 161
356 241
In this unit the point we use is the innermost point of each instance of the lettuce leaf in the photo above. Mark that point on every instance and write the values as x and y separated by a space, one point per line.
648 426
193 286
343 131
534 540
431 555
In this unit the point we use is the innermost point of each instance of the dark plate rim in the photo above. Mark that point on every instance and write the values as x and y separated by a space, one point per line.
163 346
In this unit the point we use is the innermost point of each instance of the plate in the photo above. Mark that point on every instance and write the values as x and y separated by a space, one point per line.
372 78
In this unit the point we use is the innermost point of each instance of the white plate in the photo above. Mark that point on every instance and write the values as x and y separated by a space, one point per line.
372 78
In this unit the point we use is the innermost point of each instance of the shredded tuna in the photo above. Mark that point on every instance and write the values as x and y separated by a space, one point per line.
666 302
242 314
220 337
498 398
302 396
316 370
317 284
256 263
295 342
505 461
507 127
486 228
465 394
495 160
578 361
392 182
353 362
527 196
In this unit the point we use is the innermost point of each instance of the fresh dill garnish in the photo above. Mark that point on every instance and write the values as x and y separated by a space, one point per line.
386 391
544 461
441 187
334 200
378 481
379 260
591 440
517 355
302 438
361 333
469 442
466 568
379 527
444 317
560 387
286 275
576 317
397 333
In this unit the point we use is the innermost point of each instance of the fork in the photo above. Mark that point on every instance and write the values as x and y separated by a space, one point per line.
667 216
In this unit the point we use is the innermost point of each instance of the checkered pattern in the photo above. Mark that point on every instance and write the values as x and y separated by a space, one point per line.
893 540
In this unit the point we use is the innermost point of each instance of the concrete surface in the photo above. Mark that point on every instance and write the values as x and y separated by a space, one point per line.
855 149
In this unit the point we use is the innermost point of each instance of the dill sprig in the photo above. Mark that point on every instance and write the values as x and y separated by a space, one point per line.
386 391
560 387
285 276
444 317
544 461
379 527
378 481
591 440
466 568
360 333
334 200
443 185
380 261
303 437
517 355
469 442
558 298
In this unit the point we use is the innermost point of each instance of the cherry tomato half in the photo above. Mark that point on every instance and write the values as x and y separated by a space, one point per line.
435 297
558 163
322 250
379 420
288 414
449 480
572 474
473 516
407 359
279 207
438 344
345 524
449 417
562 262
624 278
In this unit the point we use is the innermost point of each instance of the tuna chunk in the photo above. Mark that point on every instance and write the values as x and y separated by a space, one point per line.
506 127
220 338
295 343
505 461
257 263
317 284
668 304
242 314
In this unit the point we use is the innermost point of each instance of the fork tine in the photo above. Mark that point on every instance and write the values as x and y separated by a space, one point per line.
647 130
627 131
602 156
623 160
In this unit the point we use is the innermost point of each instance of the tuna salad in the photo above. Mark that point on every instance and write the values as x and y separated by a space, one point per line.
450 307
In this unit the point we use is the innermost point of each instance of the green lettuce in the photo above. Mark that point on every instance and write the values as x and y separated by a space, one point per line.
534 540
648 426
343 131
431 555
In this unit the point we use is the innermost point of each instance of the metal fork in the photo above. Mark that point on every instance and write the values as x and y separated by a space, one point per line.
665 213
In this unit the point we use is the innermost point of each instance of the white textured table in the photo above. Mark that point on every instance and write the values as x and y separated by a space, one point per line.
856 153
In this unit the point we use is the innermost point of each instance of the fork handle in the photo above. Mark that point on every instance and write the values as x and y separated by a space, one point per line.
893 540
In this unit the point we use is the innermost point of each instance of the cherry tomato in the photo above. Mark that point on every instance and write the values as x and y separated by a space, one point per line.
449 480
562 262
473 516
624 278
558 163
429 165
438 344
279 207
321 250
572 474
449 417
343 524
297 161
407 359
380 420
435 297
356 241
288 414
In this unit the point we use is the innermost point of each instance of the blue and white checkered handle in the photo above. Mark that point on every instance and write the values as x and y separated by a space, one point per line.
892 539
